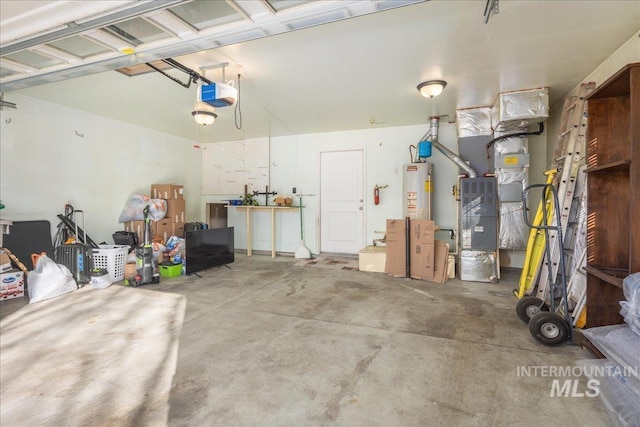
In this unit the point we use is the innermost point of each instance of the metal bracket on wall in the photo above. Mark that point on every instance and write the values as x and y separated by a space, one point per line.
6 104
492 8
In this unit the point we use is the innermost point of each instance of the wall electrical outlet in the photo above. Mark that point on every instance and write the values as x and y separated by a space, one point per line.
294 190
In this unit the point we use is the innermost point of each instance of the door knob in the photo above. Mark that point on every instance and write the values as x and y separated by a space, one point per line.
361 208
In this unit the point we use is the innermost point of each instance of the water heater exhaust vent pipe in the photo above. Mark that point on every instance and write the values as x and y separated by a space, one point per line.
431 138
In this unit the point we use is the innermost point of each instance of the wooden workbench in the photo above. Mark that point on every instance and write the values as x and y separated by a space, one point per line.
273 210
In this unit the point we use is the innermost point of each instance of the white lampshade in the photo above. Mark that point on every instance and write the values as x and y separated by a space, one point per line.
204 114
431 88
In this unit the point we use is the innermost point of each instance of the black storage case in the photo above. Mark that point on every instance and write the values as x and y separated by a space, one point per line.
128 238
77 257
194 226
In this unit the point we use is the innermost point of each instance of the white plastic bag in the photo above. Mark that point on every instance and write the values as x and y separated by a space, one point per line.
631 307
49 280
134 209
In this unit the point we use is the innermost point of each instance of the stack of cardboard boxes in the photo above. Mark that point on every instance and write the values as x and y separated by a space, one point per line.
173 222
428 257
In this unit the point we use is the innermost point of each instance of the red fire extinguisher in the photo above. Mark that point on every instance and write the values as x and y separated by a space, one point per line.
376 195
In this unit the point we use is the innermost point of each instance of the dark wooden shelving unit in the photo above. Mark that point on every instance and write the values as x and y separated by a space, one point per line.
613 188
613 166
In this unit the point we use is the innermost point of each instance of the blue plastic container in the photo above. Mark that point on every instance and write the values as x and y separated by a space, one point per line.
424 149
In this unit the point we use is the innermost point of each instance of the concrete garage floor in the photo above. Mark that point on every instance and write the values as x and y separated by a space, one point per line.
272 344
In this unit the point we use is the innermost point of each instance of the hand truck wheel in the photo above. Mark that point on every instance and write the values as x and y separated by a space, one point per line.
529 306
550 329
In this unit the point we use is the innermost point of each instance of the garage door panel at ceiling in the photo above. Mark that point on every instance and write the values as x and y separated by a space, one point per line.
155 30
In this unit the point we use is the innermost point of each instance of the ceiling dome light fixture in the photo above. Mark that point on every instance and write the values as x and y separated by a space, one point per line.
431 88
204 117
203 113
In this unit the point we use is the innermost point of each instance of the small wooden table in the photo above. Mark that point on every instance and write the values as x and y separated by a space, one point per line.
273 210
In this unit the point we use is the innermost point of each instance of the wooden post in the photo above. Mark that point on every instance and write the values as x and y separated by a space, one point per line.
273 233
248 231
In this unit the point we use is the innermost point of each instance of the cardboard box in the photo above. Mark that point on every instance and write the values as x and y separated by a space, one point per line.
451 267
177 229
138 228
130 270
11 285
175 210
372 258
283 201
167 191
421 243
440 263
396 250
5 262
163 229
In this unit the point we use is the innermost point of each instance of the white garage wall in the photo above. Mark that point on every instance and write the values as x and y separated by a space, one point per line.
626 54
44 164
294 163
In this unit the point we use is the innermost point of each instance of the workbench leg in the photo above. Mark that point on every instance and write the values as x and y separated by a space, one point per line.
249 238
273 233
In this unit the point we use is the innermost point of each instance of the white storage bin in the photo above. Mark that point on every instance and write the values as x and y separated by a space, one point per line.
112 258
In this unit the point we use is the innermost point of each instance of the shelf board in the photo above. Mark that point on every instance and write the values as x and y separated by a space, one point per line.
603 274
617 85
263 207
620 165
581 340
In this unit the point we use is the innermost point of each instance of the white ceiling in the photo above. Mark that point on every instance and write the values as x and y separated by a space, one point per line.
362 72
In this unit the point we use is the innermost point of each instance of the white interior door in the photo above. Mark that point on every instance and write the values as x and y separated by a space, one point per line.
341 202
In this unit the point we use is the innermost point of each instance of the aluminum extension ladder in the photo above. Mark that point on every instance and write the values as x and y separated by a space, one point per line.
570 152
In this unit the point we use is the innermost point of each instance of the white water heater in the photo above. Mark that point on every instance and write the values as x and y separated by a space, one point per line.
416 190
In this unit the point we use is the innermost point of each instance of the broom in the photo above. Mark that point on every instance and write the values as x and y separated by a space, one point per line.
302 251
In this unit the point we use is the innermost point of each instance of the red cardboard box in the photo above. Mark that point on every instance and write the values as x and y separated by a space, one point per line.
11 285
167 191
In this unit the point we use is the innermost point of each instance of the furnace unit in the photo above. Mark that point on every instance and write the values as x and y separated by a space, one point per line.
477 207
478 229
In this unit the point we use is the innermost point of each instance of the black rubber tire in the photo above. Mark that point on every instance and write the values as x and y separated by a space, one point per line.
529 306
549 329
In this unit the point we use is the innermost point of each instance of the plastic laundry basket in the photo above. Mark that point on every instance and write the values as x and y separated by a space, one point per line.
112 258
